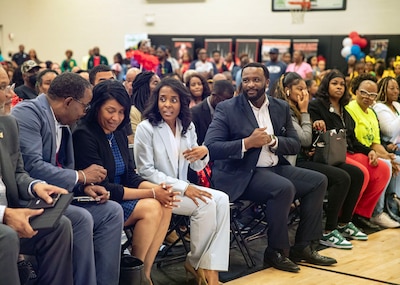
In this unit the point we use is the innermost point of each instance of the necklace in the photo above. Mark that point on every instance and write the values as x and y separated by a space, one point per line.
110 138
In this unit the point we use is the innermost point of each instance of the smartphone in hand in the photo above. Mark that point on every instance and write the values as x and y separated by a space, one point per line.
39 203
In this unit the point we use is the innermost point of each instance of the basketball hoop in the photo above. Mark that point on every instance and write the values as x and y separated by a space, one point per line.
298 9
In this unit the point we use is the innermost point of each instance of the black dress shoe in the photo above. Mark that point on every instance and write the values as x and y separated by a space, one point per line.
279 261
310 256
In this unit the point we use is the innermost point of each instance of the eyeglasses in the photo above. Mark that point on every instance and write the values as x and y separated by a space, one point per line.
366 94
8 88
85 106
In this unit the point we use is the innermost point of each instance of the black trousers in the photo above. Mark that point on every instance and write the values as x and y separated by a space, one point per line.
344 186
278 187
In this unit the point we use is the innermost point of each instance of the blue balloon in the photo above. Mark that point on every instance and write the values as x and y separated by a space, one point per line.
362 55
355 50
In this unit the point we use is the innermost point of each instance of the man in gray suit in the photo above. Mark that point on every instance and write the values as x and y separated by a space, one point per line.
46 146
53 249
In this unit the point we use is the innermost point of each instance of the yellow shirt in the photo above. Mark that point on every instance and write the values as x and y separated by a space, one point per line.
367 126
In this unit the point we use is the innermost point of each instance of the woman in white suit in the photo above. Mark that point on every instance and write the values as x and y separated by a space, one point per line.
165 146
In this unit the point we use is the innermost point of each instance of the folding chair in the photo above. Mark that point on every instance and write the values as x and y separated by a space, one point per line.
236 209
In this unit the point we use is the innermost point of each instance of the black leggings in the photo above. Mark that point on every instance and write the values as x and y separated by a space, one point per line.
344 186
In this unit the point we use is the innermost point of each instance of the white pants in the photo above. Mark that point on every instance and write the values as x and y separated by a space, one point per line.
209 230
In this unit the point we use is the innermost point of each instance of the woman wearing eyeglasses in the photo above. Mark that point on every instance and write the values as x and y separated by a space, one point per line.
367 132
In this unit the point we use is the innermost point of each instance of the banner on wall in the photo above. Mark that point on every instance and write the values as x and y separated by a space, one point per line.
379 48
309 47
222 45
283 45
181 46
132 40
247 46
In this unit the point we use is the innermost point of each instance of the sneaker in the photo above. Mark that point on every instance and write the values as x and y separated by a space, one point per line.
384 221
335 239
351 231
362 222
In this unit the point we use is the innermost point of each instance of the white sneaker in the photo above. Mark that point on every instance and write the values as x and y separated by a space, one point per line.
335 239
383 220
351 231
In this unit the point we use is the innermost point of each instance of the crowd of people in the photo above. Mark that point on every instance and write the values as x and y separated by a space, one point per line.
67 128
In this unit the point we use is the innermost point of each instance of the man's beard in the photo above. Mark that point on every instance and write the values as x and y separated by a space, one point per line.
260 93
32 80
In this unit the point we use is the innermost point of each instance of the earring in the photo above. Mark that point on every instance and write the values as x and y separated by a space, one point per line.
288 93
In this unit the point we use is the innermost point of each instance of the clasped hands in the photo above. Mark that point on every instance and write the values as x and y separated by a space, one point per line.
166 196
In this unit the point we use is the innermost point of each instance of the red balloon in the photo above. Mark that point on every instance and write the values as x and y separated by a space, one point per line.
357 41
363 43
353 35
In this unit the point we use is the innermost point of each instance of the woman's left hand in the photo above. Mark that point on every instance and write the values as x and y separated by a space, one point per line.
195 153
97 192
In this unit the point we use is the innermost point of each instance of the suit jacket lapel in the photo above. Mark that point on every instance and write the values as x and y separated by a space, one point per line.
274 116
248 112
50 119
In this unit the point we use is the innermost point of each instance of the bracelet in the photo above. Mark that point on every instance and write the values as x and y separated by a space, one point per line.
154 193
84 176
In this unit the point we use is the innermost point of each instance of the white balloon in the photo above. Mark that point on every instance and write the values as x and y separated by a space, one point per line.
346 51
347 42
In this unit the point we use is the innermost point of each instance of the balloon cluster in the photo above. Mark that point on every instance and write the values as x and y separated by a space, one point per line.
352 45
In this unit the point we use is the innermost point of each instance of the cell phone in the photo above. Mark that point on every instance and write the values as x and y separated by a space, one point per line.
85 199
39 203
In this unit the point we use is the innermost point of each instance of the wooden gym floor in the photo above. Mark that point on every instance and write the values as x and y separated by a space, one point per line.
376 261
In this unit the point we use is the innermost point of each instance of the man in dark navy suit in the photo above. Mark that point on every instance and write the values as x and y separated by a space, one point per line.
247 140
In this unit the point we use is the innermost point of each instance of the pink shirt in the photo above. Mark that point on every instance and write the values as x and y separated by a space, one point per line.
301 69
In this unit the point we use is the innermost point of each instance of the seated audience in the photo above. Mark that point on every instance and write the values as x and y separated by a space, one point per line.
47 150
44 79
164 67
165 146
142 88
52 249
367 132
300 66
29 70
202 113
198 88
312 88
202 65
387 110
100 139
100 73
345 181
329 107
129 78
247 138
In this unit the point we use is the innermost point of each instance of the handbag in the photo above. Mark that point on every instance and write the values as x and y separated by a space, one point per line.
330 147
